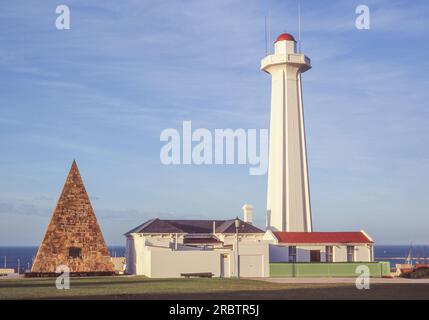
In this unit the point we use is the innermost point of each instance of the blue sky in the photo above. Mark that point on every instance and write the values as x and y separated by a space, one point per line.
102 92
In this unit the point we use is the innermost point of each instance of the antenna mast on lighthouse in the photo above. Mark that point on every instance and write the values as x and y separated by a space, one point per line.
268 30
269 26
299 26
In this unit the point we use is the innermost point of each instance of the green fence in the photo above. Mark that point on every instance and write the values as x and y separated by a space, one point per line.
339 269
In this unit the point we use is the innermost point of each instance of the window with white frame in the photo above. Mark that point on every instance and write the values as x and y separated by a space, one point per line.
329 254
292 254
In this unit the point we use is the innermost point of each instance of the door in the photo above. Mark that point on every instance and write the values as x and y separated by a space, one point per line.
250 266
224 266
315 256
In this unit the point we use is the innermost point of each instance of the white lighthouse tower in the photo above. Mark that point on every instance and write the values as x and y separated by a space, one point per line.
288 199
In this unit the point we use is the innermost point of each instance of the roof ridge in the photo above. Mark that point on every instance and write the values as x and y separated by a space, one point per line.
209 220
145 224
224 225
193 226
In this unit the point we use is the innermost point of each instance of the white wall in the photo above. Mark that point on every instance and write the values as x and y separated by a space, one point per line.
130 256
363 253
137 255
157 259
166 242
167 263
252 252
340 253
229 239
145 267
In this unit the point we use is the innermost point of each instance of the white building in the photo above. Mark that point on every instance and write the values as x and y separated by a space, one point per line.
288 197
170 248
296 247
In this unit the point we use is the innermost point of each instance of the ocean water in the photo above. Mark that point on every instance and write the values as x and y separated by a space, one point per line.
25 255
11 257
398 253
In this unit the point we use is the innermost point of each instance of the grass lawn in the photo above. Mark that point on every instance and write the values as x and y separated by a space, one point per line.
129 287
143 288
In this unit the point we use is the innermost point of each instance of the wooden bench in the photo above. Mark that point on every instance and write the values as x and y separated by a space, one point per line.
197 275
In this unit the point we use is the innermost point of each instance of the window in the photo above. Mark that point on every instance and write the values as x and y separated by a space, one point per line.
329 254
75 252
292 254
350 253
314 255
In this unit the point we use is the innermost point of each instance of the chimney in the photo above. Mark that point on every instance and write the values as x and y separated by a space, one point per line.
214 227
248 213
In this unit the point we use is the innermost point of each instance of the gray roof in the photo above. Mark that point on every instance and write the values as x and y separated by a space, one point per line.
193 226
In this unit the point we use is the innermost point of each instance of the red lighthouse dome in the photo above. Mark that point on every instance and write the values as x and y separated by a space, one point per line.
285 37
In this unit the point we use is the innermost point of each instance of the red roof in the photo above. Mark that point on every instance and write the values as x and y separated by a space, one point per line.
285 36
322 237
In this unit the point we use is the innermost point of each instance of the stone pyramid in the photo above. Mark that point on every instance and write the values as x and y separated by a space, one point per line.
73 237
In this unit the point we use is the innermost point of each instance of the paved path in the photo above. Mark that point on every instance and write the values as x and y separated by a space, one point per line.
343 280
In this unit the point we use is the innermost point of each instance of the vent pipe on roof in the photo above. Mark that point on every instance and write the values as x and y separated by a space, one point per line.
214 227
248 213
